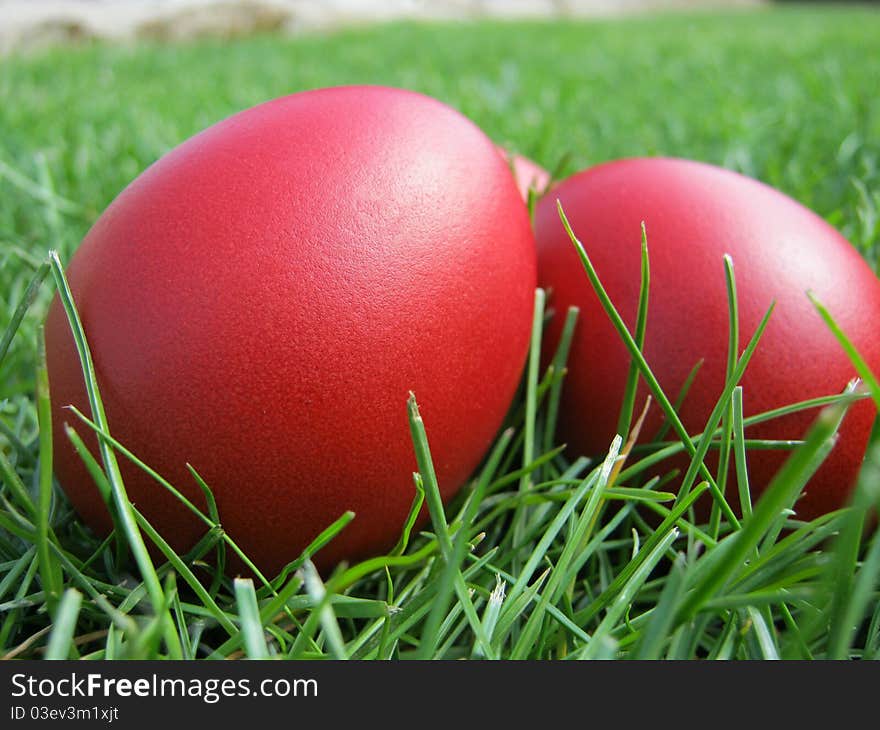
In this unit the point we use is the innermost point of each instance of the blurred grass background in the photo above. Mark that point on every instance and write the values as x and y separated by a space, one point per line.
785 95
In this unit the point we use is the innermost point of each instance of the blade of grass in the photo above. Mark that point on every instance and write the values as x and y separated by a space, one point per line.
512 610
739 454
672 448
185 573
718 411
574 545
438 519
112 443
181 623
11 620
795 637
729 374
249 619
175 560
525 472
872 639
560 167
431 631
852 586
764 566
865 373
121 501
780 493
27 299
324 537
372 565
763 635
50 572
518 526
632 378
559 521
14 571
16 487
627 593
420 604
616 586
679 399
644 368
491 613
323 607
269 610
558 364
214 515
410 522
64 625
655 634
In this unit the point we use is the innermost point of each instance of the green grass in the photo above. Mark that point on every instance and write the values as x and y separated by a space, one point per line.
541 555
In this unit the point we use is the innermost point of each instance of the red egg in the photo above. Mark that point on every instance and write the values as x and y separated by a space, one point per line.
529 175
260 302
695 213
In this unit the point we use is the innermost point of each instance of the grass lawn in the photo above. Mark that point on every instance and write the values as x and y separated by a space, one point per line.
788 96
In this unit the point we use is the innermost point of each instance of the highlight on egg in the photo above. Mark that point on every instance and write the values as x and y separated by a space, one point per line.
260 302
694 214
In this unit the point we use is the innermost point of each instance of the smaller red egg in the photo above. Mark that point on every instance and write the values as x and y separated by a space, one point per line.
694 214
529 175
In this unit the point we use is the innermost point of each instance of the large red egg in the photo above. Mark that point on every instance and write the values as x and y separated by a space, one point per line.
694 213
260 302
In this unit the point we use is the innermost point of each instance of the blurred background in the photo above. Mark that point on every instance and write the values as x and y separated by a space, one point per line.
37 23
93 91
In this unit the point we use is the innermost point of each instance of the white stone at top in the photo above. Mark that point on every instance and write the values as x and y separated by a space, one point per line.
28 23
